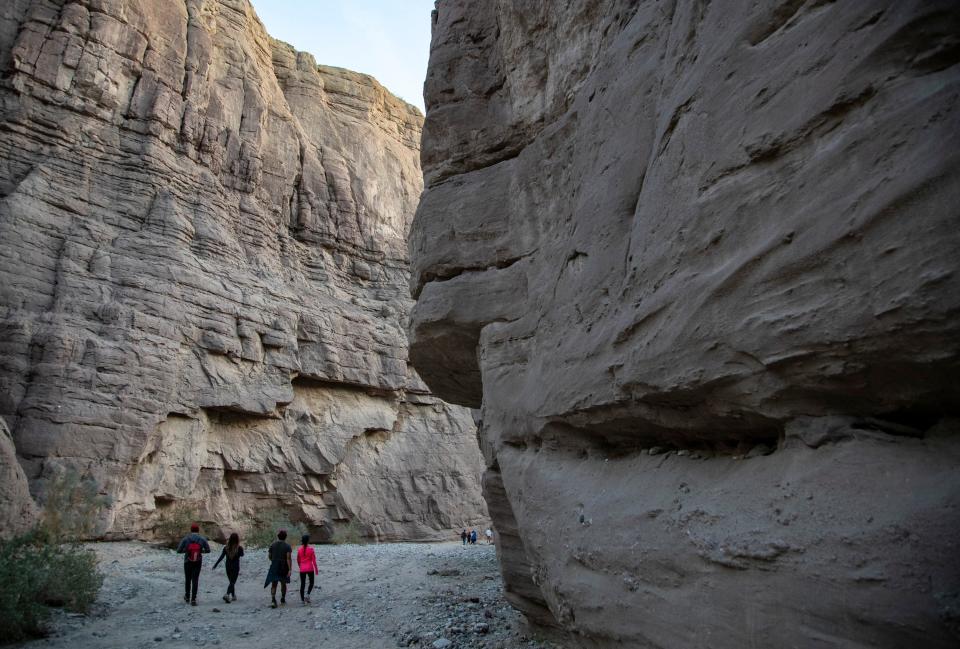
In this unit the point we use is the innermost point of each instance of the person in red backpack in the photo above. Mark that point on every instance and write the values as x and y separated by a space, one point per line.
307 562
192 547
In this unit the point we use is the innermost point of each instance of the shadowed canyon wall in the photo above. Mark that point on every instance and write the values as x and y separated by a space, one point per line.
697 263
204 278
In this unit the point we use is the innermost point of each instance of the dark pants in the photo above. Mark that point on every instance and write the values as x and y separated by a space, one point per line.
303 582
191 574
232 576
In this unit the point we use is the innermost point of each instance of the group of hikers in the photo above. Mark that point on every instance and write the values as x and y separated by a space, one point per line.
471 536
193 546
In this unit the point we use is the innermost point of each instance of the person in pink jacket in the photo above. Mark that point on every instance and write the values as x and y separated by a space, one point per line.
307 561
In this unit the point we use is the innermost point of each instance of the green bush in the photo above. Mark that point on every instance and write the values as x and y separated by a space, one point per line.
46 567
173 523
262 529
36 574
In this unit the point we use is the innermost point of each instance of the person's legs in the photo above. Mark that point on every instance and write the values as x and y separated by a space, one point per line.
283 591
194 579
186 581
273 594
303 584
232 587
310 587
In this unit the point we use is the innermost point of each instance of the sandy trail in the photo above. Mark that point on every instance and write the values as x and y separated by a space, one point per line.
368 596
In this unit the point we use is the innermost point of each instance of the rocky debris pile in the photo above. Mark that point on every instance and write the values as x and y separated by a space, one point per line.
203 277
714 229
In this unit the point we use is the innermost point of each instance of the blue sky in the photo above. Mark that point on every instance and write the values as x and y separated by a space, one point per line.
389 39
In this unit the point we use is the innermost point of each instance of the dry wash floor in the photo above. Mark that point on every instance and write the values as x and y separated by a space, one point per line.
370 596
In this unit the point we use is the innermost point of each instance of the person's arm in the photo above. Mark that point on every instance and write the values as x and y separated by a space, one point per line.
183 546
223 553
240 554
270 552
316 569
290 562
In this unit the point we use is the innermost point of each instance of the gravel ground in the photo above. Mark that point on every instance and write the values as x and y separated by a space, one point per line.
388 595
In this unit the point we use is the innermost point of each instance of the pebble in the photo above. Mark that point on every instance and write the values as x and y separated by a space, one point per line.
441 643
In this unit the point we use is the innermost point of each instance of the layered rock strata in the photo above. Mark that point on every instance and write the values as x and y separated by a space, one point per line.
697 262
18 511
203 276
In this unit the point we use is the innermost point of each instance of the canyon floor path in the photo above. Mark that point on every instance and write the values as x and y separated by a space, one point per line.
370 596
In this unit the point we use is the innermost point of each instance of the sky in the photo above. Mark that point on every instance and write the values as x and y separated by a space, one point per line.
389 39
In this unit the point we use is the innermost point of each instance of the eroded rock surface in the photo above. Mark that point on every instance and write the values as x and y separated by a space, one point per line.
203 275
18 511
698 263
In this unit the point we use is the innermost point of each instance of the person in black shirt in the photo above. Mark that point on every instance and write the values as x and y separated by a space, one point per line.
232 552
281 560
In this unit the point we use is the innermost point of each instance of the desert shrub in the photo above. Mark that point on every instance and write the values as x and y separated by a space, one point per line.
174 521
37 572
46 567
70 507
262 528
349 533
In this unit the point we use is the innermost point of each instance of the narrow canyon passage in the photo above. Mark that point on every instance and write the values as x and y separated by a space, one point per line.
665 292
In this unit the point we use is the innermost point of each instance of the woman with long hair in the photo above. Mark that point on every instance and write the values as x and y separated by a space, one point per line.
232 552
307 562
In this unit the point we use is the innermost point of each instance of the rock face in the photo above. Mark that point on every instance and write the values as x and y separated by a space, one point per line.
17 509
203 275
698 264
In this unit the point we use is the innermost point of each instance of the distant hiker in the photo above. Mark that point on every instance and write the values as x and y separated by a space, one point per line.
280 565
463 536
489 535
473 537
307 562
192 547
232 552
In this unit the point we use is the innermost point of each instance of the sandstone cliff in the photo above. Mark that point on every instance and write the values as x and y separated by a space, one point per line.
17 508
203 275
698 263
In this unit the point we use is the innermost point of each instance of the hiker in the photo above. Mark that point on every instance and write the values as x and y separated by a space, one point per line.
307 562
463 536
280 566
232 552
473 537
489 535
192 547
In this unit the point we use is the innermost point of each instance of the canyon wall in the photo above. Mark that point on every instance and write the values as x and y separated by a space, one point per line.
698 263
204 277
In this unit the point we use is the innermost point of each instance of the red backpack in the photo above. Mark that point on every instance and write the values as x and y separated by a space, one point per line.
193 551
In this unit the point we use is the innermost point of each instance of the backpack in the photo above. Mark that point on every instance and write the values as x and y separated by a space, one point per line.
193 551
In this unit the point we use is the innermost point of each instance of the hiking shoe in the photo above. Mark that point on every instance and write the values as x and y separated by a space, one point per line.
193 602
273 604
226 598
186 599
308 599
